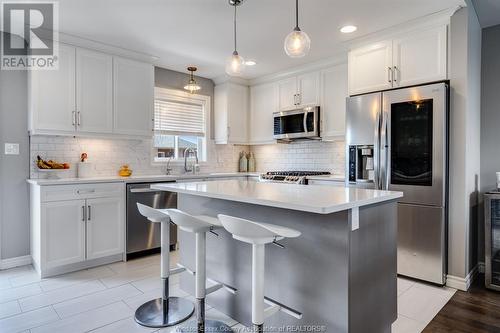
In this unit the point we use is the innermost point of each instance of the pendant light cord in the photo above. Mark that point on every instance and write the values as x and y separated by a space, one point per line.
296 14
235 28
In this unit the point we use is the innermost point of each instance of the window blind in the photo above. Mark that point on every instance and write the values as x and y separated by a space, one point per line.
179 118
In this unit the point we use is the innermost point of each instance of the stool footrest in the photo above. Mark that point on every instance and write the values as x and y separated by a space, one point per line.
218 285
276 306
183 268
176 270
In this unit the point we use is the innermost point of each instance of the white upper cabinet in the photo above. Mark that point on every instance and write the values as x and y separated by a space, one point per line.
52 95
91 93
133 97
231 113
370 68
420 57
308 89
414 58
287 94
262 106
94 91
298 91
333 102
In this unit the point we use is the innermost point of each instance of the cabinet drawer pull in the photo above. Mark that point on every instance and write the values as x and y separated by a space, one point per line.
85 191
89 213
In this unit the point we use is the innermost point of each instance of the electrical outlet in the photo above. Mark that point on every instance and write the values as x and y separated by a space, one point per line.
12 149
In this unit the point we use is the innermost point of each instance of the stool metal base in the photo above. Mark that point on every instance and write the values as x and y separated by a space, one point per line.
211 326
159 313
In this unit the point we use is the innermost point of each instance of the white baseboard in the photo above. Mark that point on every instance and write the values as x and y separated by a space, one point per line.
15 262
464 283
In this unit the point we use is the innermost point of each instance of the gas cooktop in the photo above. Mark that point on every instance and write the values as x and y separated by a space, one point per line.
299 173
298 177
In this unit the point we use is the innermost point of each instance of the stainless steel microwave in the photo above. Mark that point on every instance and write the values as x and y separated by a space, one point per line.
297 124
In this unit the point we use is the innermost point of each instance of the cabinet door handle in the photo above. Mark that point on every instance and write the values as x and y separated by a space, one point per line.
79 116
74 117
83 214
299 99
395 73
389 74
89 213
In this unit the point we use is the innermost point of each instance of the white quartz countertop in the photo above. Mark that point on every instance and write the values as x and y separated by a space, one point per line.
314 199
138 179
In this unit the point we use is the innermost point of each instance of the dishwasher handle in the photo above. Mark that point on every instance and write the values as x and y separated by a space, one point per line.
144 190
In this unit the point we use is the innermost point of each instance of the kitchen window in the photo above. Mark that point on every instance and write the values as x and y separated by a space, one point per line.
180 122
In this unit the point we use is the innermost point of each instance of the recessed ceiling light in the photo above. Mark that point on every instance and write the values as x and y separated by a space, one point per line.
348 29
250 62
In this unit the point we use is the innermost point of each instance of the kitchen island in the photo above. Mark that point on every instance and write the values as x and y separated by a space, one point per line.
340 274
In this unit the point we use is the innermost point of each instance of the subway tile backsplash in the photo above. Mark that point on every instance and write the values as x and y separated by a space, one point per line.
301 155
107 155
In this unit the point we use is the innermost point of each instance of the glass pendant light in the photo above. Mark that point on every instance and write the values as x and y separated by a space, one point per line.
297 43
235 64
192 85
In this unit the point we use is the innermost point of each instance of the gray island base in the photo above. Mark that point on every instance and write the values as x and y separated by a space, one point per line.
340 277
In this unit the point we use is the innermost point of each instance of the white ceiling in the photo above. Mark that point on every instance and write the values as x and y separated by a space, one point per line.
199 32
488 12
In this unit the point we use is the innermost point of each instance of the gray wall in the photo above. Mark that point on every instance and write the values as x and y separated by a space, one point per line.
490 116
166 78
14 170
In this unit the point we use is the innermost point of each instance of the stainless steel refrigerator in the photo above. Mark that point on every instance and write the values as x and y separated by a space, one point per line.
398 140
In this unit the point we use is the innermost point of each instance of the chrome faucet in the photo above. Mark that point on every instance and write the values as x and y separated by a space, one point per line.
168 169
187 152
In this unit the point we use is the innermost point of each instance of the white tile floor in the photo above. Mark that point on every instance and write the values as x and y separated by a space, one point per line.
104 299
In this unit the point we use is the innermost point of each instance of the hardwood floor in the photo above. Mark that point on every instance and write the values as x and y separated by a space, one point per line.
474 311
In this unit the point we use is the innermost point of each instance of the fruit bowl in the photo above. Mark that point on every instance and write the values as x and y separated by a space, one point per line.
52 173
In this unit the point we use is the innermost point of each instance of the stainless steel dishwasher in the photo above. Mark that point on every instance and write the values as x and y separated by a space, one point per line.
143 237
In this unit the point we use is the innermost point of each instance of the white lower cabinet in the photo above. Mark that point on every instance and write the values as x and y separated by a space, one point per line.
105 227
81 227
64 232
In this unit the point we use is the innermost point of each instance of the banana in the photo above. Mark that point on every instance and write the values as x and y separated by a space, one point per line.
50 164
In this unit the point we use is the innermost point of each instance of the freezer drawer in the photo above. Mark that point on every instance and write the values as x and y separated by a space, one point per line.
421 242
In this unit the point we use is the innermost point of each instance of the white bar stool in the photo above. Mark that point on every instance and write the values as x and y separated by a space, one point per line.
200 225
260 234
164 311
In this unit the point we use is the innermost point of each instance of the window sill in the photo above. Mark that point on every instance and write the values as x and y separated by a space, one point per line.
164 162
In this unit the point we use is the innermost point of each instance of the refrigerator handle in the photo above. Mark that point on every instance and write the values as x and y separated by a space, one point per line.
385 169
376 153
